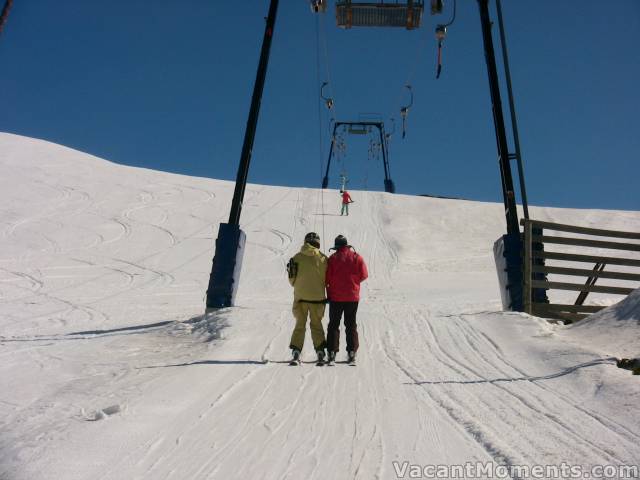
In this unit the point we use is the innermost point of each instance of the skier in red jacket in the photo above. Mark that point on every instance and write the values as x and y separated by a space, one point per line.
345 271
346 200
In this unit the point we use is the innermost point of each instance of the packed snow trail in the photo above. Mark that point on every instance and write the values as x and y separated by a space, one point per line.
110 371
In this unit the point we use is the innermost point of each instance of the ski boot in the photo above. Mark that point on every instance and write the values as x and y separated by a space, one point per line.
320 361
351 358
331 360
295 357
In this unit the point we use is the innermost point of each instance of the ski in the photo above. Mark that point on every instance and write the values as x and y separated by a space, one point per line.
294 363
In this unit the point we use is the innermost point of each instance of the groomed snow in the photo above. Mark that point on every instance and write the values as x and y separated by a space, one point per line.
110 371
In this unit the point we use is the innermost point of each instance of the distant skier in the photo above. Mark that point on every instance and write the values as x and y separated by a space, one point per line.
307 274
345 272
346 200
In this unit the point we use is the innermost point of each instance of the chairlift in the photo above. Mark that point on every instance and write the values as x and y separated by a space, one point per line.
404 111
327 101
441 33
406 14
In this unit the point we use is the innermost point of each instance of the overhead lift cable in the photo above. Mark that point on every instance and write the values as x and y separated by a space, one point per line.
320 136
419 52
322 53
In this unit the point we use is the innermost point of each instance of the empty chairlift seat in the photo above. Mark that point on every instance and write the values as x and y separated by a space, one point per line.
379 14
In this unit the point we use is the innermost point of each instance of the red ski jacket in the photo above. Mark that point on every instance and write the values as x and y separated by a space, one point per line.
346 198
345 271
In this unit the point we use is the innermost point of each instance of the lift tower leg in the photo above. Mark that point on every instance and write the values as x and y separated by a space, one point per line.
227 262
508 192
512 241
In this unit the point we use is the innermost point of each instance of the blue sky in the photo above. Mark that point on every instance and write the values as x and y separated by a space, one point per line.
167 85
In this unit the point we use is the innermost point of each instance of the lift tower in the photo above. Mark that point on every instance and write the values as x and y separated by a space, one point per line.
227 262
508 193
389 186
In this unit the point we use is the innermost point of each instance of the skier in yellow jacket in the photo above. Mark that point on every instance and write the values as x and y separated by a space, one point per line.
307 270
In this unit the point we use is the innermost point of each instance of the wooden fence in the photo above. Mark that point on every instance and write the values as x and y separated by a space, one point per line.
536 240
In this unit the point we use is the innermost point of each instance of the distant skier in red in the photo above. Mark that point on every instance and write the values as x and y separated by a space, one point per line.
346 200
345 271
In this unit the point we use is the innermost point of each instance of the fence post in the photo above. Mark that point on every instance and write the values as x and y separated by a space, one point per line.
527 266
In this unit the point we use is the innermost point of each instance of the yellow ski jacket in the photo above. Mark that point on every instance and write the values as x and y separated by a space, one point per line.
309 282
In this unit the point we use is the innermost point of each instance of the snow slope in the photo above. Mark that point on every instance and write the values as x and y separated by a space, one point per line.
613 329
110 371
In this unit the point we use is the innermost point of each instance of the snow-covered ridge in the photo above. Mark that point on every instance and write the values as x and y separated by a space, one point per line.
110 371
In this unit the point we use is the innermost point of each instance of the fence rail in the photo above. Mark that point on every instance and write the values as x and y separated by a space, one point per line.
535 270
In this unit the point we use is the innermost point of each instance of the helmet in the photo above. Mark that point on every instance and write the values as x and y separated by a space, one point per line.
340 241
312 238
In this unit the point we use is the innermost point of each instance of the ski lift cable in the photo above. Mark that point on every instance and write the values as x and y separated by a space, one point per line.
327 64
320 195
317 42
339 145
322 39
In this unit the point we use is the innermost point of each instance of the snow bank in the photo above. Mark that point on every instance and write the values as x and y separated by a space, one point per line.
614 330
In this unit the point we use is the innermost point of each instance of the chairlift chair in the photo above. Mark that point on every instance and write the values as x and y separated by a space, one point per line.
404 111
327 100
379 14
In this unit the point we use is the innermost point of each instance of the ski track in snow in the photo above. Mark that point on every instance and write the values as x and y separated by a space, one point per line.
102 276
520 403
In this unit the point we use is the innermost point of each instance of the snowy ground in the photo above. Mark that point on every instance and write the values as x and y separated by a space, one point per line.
109 370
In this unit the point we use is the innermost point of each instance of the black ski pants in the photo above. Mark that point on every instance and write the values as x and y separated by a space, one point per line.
336 309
